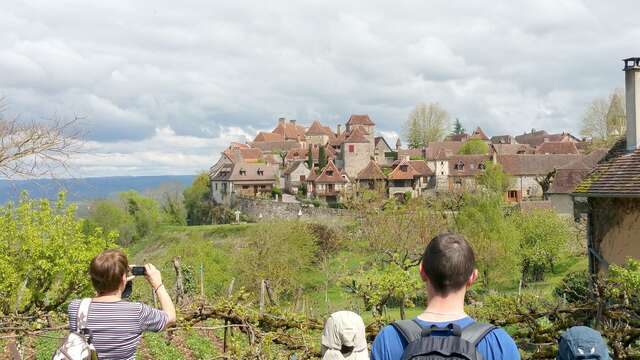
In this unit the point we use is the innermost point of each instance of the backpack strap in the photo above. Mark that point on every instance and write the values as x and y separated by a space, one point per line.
475 332
409 329
83 314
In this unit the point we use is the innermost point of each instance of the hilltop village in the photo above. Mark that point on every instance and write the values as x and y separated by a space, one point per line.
316 162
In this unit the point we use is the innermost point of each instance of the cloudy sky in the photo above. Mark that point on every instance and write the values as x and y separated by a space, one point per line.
163 86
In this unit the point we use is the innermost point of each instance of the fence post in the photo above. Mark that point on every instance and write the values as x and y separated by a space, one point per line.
179 280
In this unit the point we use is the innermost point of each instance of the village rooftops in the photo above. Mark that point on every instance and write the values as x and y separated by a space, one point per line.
503 139
478 134
534 164
241 153
356 136
247 173
467 165
536 138
289 130
360 120
267 136
293 166
568 177
404 171
450 148
511 149
317 129
371 172
330 174
457 137
557 147
269 146
618 175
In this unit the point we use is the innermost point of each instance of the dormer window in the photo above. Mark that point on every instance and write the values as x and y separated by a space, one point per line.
482 166
459 166
243 172
329 172
260 172
403 168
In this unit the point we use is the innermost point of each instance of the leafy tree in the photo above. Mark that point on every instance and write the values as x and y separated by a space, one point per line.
279 252
426 123
544 237
604 120
322 157
197 201
494 237
145 212
310 158
171 200
110 216
457 128
378 286
474 147
44 255
494 178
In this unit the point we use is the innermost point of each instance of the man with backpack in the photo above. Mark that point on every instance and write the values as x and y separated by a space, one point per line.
444 330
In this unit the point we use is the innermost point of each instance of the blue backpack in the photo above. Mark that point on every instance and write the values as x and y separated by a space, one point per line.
581 342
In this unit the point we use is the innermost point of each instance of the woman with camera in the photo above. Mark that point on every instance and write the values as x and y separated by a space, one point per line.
114 325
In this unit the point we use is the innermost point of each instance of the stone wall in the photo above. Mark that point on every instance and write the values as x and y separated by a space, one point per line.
615 225
273 210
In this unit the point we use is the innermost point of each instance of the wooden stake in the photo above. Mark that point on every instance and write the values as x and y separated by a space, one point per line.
202 280
179 280
263 290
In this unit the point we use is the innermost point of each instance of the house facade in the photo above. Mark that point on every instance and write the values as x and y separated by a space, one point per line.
242 179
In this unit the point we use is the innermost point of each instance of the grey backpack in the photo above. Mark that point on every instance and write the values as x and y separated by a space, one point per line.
77 344
450 342
581 342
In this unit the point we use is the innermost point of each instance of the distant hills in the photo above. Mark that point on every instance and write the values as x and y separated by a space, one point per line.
83 189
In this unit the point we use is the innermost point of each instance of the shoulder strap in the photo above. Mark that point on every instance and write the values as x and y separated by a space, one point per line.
409 329
475 332
83 314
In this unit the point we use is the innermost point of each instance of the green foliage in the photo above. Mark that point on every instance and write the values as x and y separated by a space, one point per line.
391 155
474 147
575 287
310 158
197 201
627 282
144 211
279 252
426 123
201 347
276 191
494 238
159 348
494 178
416 158
604 119
111 216
44 255
322 157
544 236
302 190
378 286
457 128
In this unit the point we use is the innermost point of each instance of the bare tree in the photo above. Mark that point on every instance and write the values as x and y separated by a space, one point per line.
426 123
35 149
604 119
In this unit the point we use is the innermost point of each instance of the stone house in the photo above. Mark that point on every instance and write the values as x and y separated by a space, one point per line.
237 152
613 189
565 180
464 170
381 150
317 134
295 175
242 179
329 184
410 176
371 177
364 123
356 151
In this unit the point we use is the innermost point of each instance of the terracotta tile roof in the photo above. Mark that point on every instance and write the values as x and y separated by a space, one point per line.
246 172
360 120
450 148
557 147
404 171
402 153
479 134
457 137
330 174
267 136
534 164
536 138
421 167
289 130
238 154
303 153
587 161
618 175
317 129
357 135
275 145
238 145
371 172
338 139
566 180
467 165
512 149
313 174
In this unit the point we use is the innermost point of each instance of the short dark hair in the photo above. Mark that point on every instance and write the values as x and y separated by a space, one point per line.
106 270
448 262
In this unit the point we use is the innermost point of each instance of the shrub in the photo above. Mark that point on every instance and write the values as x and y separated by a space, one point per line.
575 287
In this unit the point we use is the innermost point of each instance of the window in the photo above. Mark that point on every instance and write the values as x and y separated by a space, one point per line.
260 172
216 186
245 187
459 166
262 186
352 148
512 195
303 178
330 188
329 172
482 166
243 172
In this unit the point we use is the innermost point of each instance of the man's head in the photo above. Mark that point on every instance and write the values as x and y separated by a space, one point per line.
108 271
448 264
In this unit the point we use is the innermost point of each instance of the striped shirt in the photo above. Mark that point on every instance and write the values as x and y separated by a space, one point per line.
118 326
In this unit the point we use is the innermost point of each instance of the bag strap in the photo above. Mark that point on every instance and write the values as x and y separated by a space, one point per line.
83 314
475 332
410 330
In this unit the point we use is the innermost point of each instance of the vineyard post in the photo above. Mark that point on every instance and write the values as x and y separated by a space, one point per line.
263 290
179 280
226 321
202 280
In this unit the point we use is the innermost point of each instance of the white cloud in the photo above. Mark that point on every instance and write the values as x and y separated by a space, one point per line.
198 68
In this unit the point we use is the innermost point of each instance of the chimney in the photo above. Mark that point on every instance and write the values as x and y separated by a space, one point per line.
339 129
281 121
632 90
293 122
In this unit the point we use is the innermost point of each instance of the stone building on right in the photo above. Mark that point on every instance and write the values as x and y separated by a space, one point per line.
612 189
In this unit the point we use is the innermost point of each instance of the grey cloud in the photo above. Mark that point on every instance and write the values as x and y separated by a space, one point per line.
132 67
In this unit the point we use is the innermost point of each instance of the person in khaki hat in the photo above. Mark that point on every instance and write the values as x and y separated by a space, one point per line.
344 337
